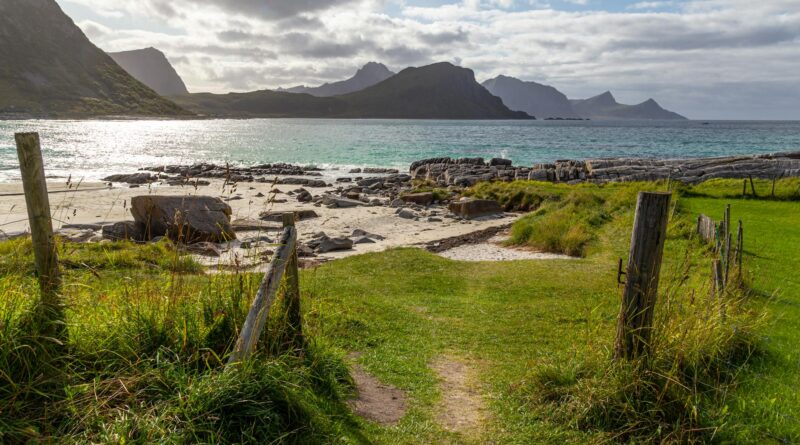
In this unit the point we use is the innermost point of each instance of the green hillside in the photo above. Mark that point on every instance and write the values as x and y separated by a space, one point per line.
49 68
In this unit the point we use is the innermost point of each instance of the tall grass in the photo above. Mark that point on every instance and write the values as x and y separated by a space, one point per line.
143 363
679 392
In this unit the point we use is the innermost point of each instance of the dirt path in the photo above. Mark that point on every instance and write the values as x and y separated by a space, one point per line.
376 401
462 407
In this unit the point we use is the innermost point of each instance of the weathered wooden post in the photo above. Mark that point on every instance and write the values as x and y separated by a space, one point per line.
31 165
739 246
752 186
292 295
259 310
744 188
635 320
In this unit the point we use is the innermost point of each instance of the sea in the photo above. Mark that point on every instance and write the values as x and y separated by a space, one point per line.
92 149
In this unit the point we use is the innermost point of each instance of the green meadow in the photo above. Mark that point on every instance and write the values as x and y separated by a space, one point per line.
529 343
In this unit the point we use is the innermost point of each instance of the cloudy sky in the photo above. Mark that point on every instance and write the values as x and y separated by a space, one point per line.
707 59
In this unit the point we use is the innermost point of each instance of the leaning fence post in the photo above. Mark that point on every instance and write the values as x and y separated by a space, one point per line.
31 167
635 320
259 310
292 295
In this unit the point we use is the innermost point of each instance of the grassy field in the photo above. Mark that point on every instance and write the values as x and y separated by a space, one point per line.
530 340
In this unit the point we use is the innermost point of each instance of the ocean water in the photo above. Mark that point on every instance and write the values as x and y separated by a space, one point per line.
93 149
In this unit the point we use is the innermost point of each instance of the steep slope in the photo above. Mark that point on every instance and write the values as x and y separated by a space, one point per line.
368 75
538 100
49 68
151 67
439 91
606 107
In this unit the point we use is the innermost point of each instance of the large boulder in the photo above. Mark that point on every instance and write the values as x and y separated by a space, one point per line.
189 219
475 208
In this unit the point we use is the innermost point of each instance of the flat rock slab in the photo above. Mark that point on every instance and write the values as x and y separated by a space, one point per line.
277 216
189 219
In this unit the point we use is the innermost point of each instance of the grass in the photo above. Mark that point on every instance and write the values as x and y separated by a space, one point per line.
148 336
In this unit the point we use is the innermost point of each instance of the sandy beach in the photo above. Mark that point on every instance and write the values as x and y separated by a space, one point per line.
99 203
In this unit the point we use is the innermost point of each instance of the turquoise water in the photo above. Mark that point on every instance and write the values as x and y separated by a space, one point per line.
93 149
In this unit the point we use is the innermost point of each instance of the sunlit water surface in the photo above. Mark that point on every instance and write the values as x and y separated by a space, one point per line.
93 149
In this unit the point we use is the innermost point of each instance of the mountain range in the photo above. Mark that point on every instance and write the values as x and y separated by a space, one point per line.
606 107
438 91
60 73
151 67
547 102
49 68
368 75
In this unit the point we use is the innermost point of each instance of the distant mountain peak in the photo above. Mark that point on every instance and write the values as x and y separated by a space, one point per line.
151 67
533 98
366 76
604 106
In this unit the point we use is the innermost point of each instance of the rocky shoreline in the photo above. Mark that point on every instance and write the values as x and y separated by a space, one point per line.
466 172
224 209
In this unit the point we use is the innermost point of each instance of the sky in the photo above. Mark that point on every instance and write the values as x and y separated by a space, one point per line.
706 59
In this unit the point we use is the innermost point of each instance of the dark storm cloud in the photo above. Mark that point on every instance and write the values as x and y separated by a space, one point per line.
273 9
672 38
444 37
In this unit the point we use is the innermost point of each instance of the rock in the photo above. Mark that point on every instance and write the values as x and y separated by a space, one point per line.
259 195
304 196
204 248
475 208
334 201
355 170
277 216
304 251
406 214
344 179
333 244
397 202
424 198
359 233
500 161
363 240
133 178
376 202
77 235
184 218
434 219
83 226
252 225
124 231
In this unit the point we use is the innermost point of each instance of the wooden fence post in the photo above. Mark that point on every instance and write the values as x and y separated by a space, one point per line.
292 295
259 310
635 320
31 166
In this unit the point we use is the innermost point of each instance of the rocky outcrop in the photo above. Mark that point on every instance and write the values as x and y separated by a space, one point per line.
188 219
468 171
690 170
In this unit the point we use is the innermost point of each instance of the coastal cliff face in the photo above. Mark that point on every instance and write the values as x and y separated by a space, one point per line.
367 76
49 68
438 91
151 67
606 107
538 100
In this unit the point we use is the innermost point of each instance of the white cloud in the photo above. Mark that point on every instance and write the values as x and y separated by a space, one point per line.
688 60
